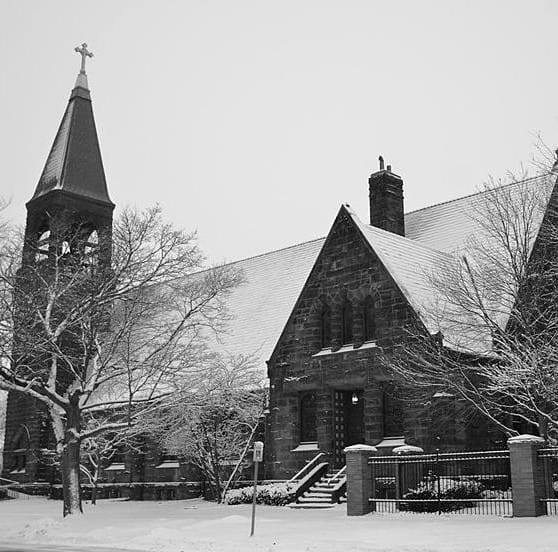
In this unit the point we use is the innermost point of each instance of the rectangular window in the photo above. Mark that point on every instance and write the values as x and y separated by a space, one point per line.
308 429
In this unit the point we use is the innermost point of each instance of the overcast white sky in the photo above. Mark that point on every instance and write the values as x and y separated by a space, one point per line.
252 121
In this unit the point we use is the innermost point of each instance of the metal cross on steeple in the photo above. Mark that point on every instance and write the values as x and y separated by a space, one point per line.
84 52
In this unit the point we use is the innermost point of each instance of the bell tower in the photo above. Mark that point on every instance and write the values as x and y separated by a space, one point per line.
69 217
71 196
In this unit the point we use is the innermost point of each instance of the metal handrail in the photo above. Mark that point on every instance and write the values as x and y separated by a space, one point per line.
340 472
10 482
306 467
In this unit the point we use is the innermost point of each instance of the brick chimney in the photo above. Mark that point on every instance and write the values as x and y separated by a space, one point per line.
386 200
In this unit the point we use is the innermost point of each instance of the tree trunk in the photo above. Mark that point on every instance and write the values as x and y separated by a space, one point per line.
216 466
94 494
70 479
71 489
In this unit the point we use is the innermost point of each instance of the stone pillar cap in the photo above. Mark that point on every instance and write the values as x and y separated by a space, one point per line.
408 449
359 448
525 438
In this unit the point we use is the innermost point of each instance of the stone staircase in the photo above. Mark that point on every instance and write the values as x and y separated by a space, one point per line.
329 490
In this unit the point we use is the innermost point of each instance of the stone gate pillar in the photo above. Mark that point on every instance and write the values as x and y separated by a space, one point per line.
527 476
359 479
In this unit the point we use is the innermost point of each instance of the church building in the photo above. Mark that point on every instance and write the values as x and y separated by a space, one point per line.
318 315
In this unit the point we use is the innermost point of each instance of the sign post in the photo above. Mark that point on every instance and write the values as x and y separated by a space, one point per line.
258 457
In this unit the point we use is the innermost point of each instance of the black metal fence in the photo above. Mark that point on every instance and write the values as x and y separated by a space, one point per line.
462 482
549 459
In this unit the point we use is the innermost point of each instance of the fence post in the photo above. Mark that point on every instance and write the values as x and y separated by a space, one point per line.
359 479
407 474
527 476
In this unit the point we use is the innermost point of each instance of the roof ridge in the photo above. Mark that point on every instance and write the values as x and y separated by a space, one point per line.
269 252
478 193
395 236
63 166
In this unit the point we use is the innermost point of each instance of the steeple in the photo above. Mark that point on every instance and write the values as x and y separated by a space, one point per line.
74 164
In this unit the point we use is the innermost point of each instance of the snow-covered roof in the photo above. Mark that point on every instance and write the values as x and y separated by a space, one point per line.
74 164
447 226
435 237
261 305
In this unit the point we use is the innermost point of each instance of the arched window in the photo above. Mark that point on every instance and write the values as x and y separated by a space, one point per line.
368 320
91 249
19 452
308 431
347 329
43 244
325 326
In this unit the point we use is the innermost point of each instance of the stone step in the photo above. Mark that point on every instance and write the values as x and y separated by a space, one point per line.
331 483
310 506
316 492
314 500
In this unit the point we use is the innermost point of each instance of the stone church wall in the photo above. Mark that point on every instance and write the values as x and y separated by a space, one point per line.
346 270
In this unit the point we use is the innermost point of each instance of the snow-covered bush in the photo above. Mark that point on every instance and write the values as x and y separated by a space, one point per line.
275 494
496 494
450 489
384 487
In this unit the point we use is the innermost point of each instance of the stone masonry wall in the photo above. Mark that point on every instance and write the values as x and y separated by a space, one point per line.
346 269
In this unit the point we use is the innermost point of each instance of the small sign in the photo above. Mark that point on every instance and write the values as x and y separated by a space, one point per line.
258 457
258 451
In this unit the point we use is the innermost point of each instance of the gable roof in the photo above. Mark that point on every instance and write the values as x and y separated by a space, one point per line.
447 226
435 236
74 163
412 266
261 305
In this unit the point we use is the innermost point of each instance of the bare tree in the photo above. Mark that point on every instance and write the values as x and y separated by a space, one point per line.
95 337
4 237
3 399
496 349
97 452
211 420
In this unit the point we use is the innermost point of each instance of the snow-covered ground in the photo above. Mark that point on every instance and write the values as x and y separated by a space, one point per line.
198 526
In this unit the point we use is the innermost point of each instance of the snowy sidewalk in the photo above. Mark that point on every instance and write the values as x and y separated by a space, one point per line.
198 526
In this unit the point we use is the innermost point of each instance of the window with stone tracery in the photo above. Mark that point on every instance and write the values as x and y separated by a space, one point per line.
347 323
325 326
368 319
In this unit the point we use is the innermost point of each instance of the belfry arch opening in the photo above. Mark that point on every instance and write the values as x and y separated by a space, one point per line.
43 246
91 249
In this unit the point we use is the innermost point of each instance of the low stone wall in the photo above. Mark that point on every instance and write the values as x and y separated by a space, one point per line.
35 489
137 491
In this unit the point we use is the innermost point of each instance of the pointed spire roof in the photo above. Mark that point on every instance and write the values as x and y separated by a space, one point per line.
74 164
